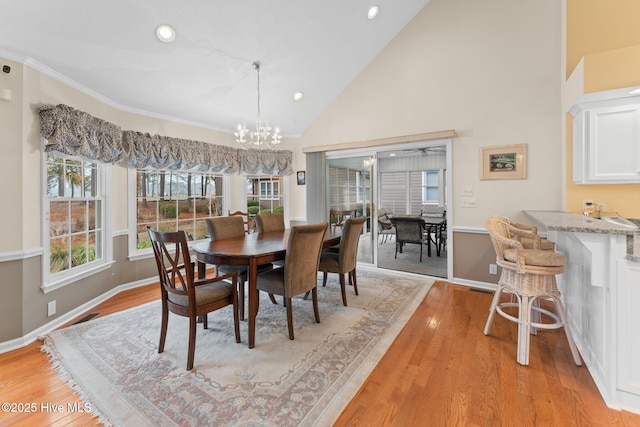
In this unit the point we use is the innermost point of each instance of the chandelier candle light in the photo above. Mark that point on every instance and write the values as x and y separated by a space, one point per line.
259 138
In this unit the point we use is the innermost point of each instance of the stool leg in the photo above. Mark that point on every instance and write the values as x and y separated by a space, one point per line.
565 324
492 310
524 329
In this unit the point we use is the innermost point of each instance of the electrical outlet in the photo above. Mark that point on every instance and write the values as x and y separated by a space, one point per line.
51 308
493 269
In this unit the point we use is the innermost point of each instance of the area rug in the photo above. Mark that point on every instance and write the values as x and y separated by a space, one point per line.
113 364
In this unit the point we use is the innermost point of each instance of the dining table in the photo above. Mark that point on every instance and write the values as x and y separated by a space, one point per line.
252 250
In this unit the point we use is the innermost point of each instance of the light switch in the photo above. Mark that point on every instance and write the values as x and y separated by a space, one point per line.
5 94
467 190
469 202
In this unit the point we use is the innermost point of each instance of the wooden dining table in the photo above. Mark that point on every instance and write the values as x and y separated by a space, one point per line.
252 250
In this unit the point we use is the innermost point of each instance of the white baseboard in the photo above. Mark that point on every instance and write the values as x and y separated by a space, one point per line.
69 316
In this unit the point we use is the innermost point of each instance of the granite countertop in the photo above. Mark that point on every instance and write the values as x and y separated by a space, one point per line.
572 222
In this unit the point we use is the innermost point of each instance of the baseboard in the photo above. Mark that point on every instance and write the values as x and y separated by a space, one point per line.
69 316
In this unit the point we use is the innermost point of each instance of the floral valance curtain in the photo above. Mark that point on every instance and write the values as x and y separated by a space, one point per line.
77 133
162 152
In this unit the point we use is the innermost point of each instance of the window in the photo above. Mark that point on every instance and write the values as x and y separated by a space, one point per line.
430 187
75 217
176 200
264 194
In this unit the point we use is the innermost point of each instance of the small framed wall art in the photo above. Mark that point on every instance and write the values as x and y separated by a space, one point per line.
503 162
300 177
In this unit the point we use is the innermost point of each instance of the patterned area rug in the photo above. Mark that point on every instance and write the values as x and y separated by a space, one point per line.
112 362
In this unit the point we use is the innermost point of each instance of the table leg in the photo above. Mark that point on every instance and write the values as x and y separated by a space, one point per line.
202 272
253 300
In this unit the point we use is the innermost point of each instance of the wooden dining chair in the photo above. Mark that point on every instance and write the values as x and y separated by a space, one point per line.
182 294
337 217
344 261
227 227
300 271
246 218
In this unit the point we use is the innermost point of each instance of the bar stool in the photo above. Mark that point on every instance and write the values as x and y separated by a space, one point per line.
530 240
527 274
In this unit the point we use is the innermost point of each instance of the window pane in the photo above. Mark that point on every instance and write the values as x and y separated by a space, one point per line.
147 210
78 216
55 177
59 218
432 179
201 230
78 250
188 228
73 179
59 254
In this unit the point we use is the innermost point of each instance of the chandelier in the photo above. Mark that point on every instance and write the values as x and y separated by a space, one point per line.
261 137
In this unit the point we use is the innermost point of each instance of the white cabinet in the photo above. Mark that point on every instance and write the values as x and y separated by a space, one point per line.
606 142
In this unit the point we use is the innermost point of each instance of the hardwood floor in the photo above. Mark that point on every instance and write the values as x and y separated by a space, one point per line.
440 371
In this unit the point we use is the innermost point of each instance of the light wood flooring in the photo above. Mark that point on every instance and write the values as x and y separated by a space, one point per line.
440 371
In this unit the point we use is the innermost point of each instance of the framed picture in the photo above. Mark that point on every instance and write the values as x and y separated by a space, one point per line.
503 162
300 177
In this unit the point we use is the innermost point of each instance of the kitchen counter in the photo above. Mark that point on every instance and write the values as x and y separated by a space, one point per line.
572 222
600 290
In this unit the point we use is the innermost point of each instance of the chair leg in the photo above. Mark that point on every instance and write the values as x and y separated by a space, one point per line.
565 324
236 317
205 321
163 327
343 288
355 281
273 299
324 278
192 342
289 317
492 310
314 298
241 299
524 330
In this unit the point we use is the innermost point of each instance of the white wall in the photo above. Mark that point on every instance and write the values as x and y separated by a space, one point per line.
488 69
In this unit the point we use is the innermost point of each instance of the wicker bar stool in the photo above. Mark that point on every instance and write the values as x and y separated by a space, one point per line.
530 240
528 275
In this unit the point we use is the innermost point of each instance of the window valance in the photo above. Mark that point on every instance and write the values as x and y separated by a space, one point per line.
77 133
162 152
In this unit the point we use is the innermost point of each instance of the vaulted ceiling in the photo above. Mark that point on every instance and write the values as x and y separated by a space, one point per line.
205 76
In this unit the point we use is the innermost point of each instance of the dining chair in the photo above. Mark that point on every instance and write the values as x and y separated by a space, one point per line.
270 222
184 295
409 230
345 260
226 227
337 217
528 275
300 271
246 218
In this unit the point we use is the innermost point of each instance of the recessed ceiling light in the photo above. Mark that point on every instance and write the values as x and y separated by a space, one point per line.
373 11
165 33
392 155
298 96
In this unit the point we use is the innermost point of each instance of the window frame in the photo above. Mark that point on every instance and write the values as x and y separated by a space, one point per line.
104 173
133 252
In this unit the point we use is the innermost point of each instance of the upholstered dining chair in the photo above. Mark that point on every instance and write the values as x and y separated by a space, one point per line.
528 275
185 296
246 218
270 222
527 235
300 271
344 261
226 227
